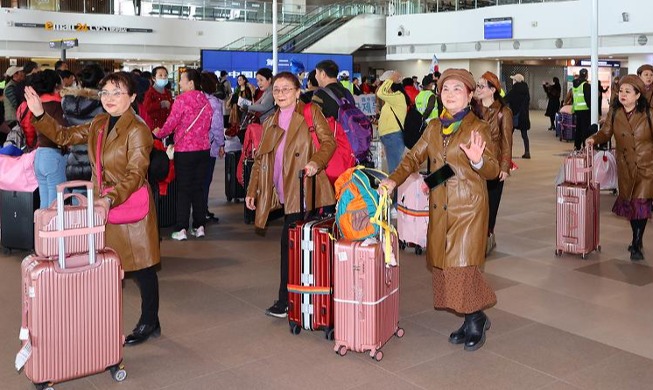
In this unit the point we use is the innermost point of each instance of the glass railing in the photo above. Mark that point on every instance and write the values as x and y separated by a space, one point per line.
399 7
324 16
304 41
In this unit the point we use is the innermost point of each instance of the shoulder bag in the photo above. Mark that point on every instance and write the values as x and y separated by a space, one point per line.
170 151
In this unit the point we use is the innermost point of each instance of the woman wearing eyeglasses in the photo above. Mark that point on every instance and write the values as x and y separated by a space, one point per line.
491 108
190 121
125 152
286 148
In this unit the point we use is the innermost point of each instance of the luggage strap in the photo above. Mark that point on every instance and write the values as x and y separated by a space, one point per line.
311 290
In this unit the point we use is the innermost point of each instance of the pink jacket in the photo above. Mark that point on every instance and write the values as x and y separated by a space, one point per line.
185 109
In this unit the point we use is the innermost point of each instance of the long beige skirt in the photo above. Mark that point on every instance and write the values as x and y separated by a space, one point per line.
462 289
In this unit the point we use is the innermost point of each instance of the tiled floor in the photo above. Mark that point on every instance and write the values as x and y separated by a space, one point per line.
560 323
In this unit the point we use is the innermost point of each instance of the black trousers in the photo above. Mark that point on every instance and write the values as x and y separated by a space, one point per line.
583 122
494 191
283 285
190 171
148 284
524 137
209 178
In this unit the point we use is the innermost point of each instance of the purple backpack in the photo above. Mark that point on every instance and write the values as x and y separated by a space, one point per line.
356 125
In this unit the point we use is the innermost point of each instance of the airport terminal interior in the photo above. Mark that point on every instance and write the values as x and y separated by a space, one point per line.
560 322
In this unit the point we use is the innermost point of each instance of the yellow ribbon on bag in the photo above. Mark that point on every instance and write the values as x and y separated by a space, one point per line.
387 230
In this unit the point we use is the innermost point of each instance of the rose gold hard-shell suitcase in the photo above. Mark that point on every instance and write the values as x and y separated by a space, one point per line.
71 312
366 298
577 216
45 225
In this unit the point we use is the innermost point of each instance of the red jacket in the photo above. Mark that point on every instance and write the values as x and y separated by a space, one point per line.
152 104
412 93
24 115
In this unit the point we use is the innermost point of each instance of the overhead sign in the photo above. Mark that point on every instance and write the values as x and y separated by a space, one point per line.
64 43
497 28
82 27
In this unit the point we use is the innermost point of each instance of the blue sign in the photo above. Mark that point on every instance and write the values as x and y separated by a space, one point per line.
498 28
248 62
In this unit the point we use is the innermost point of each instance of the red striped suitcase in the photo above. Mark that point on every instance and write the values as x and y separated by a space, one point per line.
366 298
577 215
46 242
310 273
71 312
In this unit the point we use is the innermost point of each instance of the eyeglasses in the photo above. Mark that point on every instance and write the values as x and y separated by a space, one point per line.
284 91
113 94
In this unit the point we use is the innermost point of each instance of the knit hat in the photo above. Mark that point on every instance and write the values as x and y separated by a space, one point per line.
633 80
518 78
462 75
492 80
644 67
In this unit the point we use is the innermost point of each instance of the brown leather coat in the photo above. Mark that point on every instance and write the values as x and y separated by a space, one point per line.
500 121
634 148
458 215
299 150
125 159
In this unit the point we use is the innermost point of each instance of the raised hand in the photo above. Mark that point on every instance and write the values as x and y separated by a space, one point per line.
33 101
475 149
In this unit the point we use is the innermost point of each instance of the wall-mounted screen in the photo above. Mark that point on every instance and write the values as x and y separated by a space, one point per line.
497 28
248 62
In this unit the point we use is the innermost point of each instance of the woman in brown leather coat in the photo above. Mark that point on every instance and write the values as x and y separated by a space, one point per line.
629 120
286 148
491 108
126 147
458 216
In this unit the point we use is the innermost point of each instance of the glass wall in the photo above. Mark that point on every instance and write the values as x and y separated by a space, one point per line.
406 7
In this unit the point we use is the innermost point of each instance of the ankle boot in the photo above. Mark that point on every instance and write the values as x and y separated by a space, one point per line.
459 336
478 323
142 332
638 236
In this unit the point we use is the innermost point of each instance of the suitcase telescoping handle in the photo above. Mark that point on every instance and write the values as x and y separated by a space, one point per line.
302 193
90 212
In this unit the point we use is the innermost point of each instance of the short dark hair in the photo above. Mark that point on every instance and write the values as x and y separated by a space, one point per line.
329 67
122 79
407 81
91 75
436 74
64 74
29 67
194 76
265 72
223 73
44 82
158 68
146 74
312 79
287 76
209 82
137 71
58 64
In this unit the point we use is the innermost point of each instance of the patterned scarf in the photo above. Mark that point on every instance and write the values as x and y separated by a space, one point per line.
451 123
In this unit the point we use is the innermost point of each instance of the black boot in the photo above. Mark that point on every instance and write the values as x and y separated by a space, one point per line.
142 333
635 247
477 324
459 336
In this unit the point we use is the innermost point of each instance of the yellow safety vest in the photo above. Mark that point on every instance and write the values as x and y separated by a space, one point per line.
422 100
579 103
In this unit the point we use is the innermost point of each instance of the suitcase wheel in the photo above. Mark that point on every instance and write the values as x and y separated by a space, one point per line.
118 373
402 245
44 386
598 248
400 332
342 351
419 250
558 252
229 198
378 355
295 329
328 333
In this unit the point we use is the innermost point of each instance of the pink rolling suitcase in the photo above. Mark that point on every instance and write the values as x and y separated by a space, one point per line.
366 295
46 236
72 311
577 217
412 213
578 166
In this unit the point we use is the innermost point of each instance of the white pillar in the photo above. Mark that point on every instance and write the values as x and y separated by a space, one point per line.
594 39
275 49
637 60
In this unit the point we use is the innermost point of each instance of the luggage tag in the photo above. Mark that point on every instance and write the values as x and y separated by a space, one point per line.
23 355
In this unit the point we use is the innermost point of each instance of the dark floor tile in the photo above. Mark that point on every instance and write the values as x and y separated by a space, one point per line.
622 271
